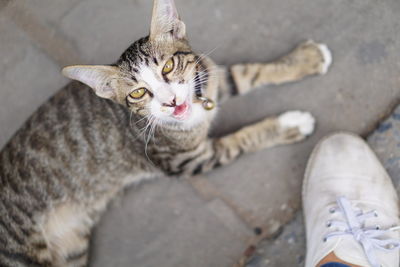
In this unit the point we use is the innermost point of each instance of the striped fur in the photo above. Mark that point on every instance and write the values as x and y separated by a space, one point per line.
308 58
77 151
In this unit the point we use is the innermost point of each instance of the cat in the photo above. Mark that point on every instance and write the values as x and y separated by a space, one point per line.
146 115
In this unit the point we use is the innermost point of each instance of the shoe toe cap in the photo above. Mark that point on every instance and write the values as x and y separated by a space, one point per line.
344 154
344 164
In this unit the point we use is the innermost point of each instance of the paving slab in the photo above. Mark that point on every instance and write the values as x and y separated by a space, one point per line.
166 222
28 78
287 249
3 3
386 143
100 30
49 11
46 37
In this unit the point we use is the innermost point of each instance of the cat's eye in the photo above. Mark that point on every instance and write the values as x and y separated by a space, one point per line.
168 67
138 93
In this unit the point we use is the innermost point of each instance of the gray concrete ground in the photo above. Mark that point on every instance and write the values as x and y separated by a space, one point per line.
210 220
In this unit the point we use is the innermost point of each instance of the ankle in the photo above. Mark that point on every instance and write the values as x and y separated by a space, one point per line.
331 257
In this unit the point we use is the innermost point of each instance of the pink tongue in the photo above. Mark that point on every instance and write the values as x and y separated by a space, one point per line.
180 109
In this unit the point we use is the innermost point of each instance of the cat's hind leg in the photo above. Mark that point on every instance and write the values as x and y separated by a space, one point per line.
66 229
57 238
309 58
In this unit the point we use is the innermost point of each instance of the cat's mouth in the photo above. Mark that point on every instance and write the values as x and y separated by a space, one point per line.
182 112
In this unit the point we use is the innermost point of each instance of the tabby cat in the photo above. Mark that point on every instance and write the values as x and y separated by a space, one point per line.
151 116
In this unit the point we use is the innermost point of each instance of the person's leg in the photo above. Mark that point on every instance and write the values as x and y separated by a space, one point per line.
331 260
350 206
335 264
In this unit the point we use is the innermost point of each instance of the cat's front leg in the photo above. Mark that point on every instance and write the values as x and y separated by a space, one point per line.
308 58
290 127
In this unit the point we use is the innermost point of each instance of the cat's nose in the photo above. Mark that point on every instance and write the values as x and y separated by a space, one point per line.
171 104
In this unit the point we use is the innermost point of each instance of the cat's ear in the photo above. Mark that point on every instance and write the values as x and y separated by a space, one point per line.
97 77
166 21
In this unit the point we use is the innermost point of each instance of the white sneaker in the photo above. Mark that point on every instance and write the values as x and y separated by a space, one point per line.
350 205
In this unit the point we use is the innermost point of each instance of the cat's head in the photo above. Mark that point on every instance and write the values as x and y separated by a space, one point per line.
158 76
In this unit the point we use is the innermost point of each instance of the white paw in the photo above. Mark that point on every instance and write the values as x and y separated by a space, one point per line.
302 120
327 55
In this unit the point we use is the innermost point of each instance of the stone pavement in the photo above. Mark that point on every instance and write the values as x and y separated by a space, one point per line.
210 220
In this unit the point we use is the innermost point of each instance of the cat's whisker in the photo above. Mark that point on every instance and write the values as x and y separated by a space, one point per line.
202 56
136 122
212 72
130 119
143 129
204 76
155 124
148 124
142 119
214 68
144 132
203 80
207 76
151 129
151 124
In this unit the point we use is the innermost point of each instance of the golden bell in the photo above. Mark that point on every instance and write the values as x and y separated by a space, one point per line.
208 104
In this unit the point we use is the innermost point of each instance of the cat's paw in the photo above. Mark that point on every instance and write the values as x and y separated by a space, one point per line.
327 57
304 122
312 57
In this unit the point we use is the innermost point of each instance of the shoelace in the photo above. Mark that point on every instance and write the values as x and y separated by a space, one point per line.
370 238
